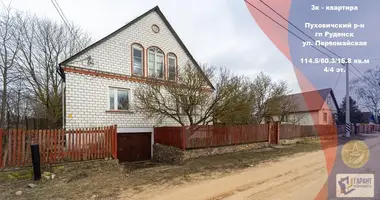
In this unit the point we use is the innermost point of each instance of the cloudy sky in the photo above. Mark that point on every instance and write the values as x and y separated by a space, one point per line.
217 32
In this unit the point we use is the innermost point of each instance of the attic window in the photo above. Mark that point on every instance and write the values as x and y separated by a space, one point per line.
155 28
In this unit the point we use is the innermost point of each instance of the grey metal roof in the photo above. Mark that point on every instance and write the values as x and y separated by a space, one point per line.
312 100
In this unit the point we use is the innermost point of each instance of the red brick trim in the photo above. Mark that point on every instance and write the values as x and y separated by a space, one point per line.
103 74
147 58
142 57
176 66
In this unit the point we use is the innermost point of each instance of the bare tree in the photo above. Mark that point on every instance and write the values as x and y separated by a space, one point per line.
282 106
190 100
18 104
9 47
270 98
367 90
236 108
44 44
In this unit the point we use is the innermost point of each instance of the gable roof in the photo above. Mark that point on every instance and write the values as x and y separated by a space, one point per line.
312 100
155 9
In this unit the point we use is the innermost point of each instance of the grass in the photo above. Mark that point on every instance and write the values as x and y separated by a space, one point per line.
106 180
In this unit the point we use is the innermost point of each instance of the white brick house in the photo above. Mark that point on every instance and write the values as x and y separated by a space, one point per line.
100 80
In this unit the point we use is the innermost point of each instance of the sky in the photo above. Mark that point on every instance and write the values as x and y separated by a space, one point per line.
217 32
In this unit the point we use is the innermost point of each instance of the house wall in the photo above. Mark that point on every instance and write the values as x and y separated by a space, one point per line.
316 117
114 54
330 108
88 106
302 118
87 96
306 118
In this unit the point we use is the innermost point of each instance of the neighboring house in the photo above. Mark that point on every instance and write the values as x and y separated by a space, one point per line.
368 117
317 107
101 80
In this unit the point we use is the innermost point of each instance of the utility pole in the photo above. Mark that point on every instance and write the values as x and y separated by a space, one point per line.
348 123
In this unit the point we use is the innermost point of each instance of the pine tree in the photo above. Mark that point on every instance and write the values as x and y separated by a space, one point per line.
356 115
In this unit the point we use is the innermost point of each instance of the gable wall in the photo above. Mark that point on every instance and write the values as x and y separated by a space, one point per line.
87 96
330 108
114 54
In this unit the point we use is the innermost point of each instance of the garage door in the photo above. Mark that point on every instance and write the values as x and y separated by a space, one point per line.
134 146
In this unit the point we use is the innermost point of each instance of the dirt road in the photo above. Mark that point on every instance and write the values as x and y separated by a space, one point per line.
298 177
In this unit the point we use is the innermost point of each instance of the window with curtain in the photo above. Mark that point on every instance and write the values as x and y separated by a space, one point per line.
155 63
138 60
172 66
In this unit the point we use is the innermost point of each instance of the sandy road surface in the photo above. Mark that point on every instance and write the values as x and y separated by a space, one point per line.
298 177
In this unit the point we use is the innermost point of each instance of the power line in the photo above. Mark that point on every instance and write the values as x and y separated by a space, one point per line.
298 28
71 28
290 30
65 21
307 34
285 28
354 73
301 32
63 14
357 70
337 80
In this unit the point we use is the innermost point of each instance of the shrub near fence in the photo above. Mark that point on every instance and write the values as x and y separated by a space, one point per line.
57 145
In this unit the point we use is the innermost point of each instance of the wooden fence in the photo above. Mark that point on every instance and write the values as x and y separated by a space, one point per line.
213 136
289 131
210 136
220 135
171 136
57 145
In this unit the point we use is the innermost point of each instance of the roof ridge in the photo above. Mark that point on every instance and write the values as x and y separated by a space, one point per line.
310 91
159 12
156 8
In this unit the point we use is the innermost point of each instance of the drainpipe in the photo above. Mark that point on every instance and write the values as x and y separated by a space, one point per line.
63 105
63 90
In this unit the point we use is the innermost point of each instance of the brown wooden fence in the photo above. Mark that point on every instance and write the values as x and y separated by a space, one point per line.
171 136
210 136
57 145
213 136
288 131
220 135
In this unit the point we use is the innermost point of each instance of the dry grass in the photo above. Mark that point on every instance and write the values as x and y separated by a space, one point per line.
106 180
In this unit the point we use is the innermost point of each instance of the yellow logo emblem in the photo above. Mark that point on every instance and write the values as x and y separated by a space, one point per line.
355 154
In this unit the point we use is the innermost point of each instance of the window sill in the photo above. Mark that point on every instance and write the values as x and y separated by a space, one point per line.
119 111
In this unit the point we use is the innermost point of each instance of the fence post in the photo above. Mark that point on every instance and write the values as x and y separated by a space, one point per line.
184 138
278 132
268 129
1 148
115 136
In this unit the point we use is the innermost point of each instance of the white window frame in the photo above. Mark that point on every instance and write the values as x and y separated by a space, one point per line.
140 48
116 102
156 55
172 56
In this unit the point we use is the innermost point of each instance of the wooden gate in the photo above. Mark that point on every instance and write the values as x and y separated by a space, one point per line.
274 136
